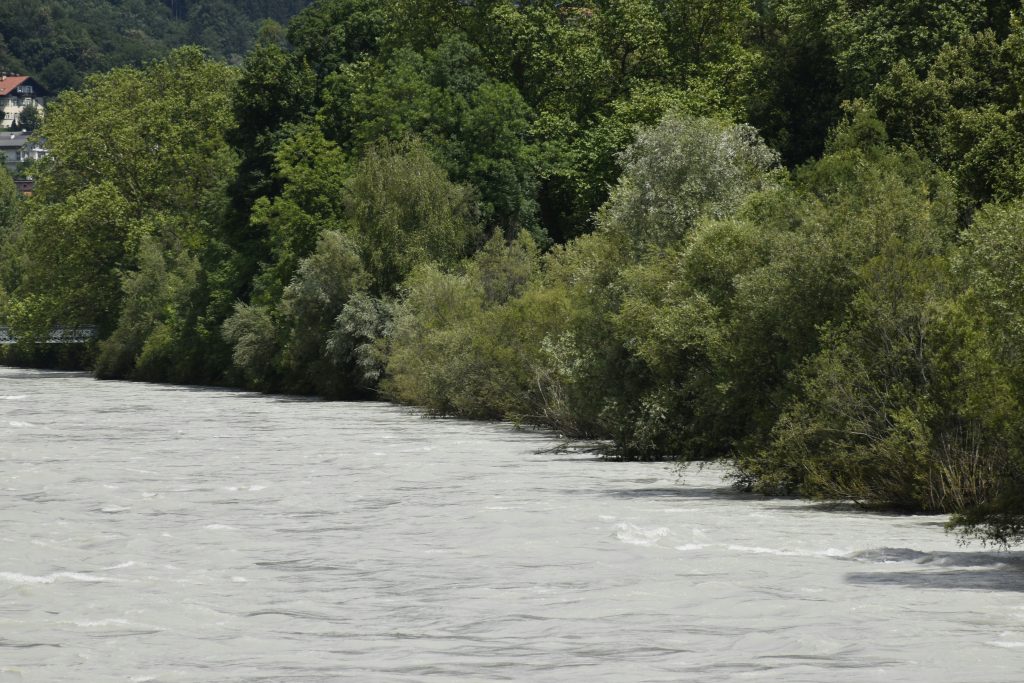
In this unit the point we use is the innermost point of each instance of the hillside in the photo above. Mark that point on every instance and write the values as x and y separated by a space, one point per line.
60 41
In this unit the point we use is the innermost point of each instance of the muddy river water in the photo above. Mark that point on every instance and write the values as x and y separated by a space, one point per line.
156 533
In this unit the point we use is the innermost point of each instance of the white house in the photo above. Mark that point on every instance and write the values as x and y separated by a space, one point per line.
16 93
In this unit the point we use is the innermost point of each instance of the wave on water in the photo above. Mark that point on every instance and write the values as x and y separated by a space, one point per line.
13 398
635 535
757 550
123 565
691 546
27 579
1009 644
959 560
20 425
101 623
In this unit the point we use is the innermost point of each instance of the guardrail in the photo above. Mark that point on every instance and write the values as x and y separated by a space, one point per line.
58 335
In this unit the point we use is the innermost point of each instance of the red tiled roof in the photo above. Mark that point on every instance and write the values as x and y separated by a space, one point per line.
9 83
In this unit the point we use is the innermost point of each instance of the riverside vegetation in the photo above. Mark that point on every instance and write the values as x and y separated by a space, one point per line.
785 233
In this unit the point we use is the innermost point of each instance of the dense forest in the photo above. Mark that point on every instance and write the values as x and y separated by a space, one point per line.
786 233
60 41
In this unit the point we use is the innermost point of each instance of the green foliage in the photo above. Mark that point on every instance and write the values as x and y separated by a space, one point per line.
358 340
964 113
681 170
322 286
818 54
558 347
147 341
553 213
274 92
252 333
339 235
330 33
61 41
73 251
29 119
478 126
312 172
903 403
405 211
470 343
987 263
869 37
10 228
125 217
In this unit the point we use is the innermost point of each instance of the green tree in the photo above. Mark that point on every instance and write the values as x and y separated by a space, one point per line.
158 172
987 265
964 113
316 296
29 118
404 210
60 42
679 171
479 127
10 227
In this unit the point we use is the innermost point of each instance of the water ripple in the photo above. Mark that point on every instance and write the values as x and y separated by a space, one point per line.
154 533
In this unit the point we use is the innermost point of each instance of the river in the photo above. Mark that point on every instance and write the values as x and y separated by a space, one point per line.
157 533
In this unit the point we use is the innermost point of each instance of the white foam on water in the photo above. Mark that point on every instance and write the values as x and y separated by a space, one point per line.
239 579
254 487
101 623
20 425
123 565
219 527
635 535
13 398
759 550
114 509
1008 644
691 546
28 579
977 562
